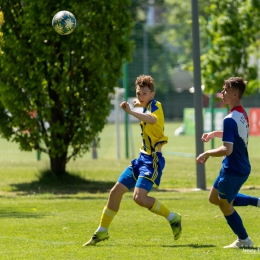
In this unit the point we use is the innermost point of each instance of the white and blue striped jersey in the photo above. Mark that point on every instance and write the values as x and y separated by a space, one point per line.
235 131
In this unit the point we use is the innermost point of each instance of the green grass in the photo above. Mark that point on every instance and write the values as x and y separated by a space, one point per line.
42 219
47 226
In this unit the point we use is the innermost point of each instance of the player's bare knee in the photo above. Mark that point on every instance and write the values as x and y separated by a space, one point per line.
115 192
213 201
111 194
139 200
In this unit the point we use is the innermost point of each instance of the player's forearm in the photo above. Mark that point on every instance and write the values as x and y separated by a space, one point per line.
218 134
143 117
218 152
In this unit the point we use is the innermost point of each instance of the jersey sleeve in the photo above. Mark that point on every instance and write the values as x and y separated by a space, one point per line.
229 130
155 114
155 111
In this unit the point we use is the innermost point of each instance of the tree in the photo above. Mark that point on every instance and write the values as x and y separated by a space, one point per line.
229 39
54 90
234 35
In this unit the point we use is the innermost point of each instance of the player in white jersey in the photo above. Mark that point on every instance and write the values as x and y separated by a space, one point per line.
235 165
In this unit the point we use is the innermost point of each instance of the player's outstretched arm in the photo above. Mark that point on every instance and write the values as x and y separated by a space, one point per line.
207 136
224 150
141 116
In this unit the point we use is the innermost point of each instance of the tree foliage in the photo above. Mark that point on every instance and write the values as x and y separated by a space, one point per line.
229 33
234 35
54 90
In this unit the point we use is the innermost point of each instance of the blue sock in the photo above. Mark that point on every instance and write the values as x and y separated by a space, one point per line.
245 200
236 224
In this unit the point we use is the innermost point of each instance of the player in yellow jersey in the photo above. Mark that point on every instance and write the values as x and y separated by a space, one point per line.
146 170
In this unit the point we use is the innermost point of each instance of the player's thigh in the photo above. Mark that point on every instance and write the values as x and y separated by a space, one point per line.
141 197
127 178
142 188
115 196
229 186
118 190
213 196
140 193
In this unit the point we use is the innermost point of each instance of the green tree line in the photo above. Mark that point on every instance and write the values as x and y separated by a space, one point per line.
54 89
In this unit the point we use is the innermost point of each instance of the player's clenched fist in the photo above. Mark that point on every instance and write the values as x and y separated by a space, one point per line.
125 106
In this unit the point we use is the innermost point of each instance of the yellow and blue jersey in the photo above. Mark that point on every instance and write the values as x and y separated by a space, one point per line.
152 135
150 163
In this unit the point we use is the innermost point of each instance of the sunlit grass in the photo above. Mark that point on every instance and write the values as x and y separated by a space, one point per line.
41 219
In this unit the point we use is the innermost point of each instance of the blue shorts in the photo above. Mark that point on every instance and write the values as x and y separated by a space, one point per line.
228 186
144 172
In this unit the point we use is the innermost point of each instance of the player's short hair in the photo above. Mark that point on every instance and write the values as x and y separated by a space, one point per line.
237 83
145 81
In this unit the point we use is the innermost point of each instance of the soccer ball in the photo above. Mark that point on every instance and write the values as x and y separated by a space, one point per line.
64 22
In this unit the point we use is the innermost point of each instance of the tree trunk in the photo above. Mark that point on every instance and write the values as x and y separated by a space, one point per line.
58 165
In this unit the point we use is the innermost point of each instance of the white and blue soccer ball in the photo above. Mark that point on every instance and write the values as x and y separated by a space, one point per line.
64 22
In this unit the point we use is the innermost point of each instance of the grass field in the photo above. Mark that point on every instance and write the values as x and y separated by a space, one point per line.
51 220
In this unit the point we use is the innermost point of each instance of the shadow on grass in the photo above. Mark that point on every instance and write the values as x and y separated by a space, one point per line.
68 183
191 245
11 213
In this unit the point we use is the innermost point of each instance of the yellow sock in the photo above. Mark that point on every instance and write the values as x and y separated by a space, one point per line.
159 209
107 217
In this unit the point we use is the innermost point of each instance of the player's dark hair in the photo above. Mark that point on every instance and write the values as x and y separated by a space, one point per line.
237 83
145 81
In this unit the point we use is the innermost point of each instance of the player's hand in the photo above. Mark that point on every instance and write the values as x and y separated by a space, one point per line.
126 107
207 136
136 103
202 158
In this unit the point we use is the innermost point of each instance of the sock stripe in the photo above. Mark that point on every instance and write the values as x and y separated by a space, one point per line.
109 212
157 206
106 217
159 209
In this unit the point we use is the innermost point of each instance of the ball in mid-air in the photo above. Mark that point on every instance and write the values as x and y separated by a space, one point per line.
64 22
